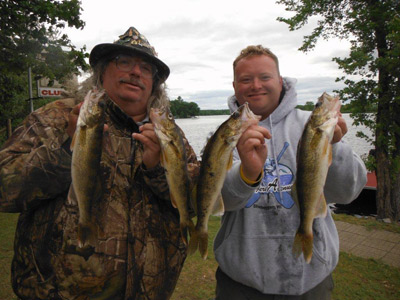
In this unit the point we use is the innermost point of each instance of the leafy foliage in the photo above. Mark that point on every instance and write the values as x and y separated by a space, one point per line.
214 112
373 75
30 36
182 109
345 108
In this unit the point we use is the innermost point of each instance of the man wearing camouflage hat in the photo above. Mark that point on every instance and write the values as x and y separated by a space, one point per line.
138 253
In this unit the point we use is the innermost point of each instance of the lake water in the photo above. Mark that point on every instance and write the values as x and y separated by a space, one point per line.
197 130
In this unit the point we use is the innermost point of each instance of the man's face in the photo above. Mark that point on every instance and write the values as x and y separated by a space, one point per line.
129 85
257 82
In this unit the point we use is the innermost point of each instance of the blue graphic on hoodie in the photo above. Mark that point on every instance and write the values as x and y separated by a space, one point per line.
270 182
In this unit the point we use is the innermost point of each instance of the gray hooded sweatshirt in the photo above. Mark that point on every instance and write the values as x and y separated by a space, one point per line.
254 243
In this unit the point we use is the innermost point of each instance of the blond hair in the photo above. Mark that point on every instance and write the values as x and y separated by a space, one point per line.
253 50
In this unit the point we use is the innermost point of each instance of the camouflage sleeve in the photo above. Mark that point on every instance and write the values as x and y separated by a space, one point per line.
34 166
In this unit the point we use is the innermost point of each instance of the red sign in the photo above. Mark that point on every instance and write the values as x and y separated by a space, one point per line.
50 92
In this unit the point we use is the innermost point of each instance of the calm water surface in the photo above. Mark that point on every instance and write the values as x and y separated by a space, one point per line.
197 130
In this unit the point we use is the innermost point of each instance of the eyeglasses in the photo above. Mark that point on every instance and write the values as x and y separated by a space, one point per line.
127 63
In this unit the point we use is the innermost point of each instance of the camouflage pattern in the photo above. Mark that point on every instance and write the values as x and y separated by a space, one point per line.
139 252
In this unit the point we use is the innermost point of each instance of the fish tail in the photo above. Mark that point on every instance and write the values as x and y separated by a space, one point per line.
186 227
86 235
199 240
203 244
303 242
193 243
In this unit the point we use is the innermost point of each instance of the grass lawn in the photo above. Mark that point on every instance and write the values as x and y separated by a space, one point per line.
355 278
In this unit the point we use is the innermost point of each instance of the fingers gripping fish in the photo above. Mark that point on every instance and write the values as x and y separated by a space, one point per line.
87 148
314 156
216 160
173 159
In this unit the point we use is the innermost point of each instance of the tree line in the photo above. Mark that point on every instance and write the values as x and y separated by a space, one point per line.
345 108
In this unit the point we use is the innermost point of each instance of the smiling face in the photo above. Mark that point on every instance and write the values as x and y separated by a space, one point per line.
130 90
257 81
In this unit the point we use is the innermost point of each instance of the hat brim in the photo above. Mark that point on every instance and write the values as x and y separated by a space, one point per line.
103 50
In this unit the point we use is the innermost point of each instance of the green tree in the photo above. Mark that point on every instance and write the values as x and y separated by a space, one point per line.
30 37
181 109
373 75
308 106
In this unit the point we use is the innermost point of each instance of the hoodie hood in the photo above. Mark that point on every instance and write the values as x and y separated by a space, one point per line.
288 103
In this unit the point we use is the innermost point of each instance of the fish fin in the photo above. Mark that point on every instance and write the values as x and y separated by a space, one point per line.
163 159
86 235
72 145
327 149
193 243
218 209
199 240
230 161
330 154
322 208
316 139
203 244
303 243
186 227
173 201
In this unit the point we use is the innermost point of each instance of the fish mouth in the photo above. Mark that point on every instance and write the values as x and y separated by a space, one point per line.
332 104
246 113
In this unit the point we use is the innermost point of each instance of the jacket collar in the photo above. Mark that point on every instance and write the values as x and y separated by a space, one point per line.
120 118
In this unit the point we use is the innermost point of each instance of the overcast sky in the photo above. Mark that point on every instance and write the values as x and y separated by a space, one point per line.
199 39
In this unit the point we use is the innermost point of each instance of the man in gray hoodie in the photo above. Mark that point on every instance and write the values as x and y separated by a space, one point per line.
254 244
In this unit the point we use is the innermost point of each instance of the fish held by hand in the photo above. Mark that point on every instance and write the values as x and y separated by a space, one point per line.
314 156
173 159
216 161
86 149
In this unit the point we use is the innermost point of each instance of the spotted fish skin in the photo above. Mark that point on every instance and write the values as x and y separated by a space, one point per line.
314 156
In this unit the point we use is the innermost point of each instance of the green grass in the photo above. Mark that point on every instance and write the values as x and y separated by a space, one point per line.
355 278
370 223
8 222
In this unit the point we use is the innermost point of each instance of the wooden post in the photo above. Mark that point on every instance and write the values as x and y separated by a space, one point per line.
9 128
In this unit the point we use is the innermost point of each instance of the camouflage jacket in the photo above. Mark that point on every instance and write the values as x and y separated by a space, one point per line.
139 253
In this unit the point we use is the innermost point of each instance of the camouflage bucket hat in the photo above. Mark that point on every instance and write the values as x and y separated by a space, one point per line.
131 42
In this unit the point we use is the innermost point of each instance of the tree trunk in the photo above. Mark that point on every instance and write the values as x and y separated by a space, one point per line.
387 171
383 191
9 128
395 195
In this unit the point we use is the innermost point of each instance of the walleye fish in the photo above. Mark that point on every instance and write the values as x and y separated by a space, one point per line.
173 159
314 156
216 160
86 153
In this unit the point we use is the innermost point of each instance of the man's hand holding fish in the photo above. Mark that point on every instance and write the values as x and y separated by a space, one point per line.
253 151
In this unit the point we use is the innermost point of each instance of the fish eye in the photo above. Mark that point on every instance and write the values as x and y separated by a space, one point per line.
170 116
318 104
236 115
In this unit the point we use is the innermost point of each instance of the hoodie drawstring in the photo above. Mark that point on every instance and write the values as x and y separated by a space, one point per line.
278 175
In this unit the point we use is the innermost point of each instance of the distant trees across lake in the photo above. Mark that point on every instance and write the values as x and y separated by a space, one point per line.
352 107
183 109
